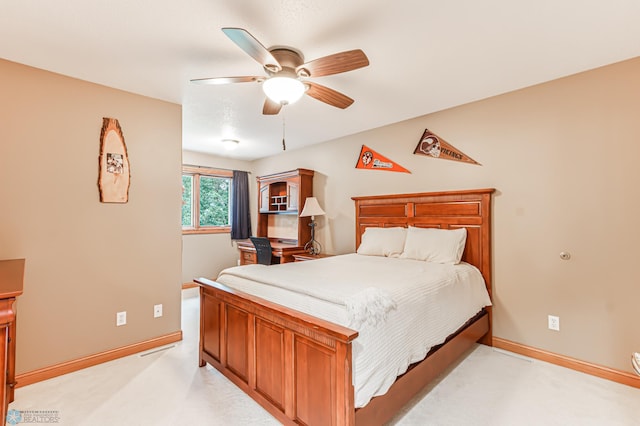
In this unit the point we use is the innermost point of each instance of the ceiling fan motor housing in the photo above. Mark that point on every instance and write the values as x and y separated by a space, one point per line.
289 59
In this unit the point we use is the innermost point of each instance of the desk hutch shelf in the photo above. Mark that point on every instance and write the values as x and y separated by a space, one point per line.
285 193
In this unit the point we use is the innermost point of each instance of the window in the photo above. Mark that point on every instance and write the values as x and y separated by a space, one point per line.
206 197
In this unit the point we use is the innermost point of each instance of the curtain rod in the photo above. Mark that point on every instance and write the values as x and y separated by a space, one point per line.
214 167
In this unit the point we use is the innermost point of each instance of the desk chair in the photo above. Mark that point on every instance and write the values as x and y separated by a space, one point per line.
263 250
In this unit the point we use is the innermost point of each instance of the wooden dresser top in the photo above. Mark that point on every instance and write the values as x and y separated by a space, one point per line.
11 278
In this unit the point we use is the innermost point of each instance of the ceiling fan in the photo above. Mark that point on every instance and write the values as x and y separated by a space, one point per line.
287 73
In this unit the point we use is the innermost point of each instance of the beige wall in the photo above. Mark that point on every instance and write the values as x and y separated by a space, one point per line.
205 255
563 158
86 260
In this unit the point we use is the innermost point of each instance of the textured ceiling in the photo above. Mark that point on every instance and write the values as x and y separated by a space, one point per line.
424 55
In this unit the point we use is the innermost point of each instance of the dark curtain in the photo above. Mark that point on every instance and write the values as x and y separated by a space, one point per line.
240 213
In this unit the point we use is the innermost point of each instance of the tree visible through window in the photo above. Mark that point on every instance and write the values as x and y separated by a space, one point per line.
187 200
205 200
214 201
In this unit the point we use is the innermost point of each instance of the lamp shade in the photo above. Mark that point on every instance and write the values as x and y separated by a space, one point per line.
283 90
311 208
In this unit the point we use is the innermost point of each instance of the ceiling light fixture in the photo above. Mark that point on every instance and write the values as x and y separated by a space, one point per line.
283 90
230 144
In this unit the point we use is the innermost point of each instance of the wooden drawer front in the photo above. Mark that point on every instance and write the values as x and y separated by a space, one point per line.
248 257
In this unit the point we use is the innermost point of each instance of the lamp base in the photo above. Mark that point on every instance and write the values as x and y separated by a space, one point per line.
313 247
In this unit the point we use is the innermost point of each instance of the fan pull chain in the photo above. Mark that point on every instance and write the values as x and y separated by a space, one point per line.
284 145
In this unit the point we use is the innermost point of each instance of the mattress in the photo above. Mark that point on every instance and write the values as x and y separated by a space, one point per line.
400 307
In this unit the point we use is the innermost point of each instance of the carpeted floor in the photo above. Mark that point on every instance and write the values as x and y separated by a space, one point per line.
166 387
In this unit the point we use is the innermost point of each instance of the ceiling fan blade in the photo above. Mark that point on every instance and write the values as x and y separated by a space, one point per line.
253 48
270 107
334 64
328 96
228 80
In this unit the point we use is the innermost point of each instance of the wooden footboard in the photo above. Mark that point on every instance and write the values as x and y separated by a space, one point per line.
296 366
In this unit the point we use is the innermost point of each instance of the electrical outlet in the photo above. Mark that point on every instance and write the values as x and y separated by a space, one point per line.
554 323
121 318
157 311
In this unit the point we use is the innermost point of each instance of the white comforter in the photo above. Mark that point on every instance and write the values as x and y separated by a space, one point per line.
400 307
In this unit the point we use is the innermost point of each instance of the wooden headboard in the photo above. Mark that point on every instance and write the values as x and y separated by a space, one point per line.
470 209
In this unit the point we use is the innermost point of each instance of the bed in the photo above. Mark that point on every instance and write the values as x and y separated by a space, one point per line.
300 367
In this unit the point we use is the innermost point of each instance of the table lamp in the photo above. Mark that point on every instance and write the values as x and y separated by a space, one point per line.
312 208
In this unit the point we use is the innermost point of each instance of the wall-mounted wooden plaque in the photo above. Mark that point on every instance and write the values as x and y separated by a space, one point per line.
113 178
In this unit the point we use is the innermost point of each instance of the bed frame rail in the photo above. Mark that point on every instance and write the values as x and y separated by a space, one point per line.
382 409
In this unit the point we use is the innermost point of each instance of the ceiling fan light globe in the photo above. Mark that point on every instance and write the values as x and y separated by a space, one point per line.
283 90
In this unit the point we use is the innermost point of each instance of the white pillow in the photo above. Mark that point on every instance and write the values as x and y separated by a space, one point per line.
435 245
383 241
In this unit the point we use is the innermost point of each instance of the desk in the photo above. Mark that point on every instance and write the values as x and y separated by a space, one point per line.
283 251
11 279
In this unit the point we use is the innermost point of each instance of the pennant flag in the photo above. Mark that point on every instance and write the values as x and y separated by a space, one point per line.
436 147
369 159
